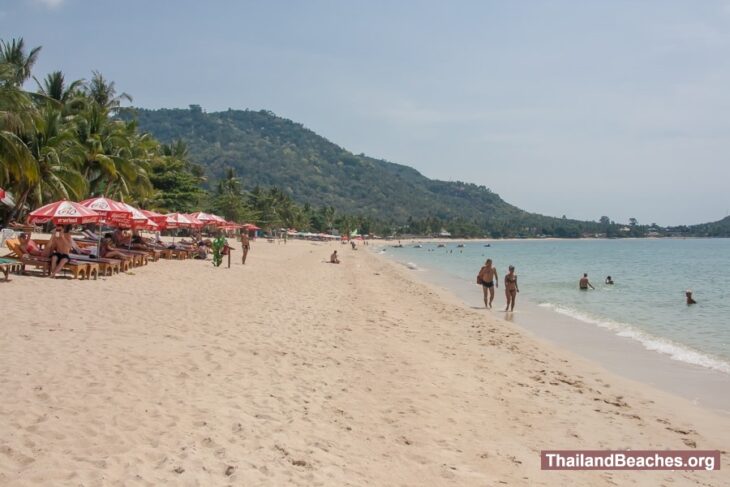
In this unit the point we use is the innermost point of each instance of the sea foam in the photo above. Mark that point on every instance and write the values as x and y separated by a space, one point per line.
675 351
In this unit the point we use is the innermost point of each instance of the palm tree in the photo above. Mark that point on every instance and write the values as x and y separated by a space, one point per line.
13 53
54 89
104 93
17 114
59 158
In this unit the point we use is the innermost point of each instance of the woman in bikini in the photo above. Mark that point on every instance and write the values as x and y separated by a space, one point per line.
510 288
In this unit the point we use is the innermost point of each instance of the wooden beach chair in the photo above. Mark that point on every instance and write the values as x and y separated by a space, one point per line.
9 265
75 267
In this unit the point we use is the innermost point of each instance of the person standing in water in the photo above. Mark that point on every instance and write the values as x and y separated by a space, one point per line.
489 280
584 284
511 288
690 299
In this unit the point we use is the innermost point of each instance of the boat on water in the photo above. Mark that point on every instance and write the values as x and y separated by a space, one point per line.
460 245
419 246
441 245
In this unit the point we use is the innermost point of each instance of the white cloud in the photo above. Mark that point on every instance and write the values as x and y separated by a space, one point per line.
49 3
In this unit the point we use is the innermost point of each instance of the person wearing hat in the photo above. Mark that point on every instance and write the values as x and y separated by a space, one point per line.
690 300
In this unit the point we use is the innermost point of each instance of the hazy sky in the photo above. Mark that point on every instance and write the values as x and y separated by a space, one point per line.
582 108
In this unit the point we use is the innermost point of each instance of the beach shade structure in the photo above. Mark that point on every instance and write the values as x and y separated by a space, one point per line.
6 198
64 212
219 220
194 222
207 218
158 218
178 220
136 220
111 211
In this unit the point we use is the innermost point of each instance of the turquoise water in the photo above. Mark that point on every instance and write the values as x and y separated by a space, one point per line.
646 303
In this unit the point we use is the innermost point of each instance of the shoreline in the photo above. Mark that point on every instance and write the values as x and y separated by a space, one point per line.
628 357
292 371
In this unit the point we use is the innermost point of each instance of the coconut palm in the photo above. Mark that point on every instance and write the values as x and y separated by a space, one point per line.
13 53
104 93
16 118
68 96
59 158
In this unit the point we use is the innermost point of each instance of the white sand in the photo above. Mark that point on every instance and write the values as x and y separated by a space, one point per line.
290 371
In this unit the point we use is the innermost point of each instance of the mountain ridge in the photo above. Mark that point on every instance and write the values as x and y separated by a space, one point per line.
267 150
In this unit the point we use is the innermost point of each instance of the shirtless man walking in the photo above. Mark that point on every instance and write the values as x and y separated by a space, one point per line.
488 275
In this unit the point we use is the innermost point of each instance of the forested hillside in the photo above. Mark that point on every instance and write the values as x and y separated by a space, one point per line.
267 150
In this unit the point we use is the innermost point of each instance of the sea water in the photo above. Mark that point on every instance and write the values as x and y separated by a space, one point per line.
646 303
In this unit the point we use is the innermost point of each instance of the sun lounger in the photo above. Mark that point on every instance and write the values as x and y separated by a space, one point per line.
75 267
9 265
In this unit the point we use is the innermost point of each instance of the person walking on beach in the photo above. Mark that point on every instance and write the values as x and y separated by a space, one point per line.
489 280
510 288
583 284
690 300
245 246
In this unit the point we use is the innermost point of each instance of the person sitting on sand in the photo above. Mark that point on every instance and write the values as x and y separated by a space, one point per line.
334 259
489 280
59 248
510 288
609 281
583 284
690 300
29 247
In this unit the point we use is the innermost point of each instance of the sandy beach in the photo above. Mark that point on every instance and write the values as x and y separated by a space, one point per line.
291 371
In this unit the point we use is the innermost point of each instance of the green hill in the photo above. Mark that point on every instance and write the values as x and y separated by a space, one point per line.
267 150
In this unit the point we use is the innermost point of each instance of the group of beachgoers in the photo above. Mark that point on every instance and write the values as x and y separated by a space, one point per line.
121 244
489 280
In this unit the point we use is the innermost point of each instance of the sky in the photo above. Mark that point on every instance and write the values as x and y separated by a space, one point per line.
577 108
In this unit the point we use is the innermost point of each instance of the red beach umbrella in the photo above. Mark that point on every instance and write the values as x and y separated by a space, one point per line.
178 220
194 222
112 211
136 218
204 218
158 218
64 213
219 220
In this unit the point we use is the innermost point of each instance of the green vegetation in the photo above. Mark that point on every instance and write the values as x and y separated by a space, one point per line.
72 140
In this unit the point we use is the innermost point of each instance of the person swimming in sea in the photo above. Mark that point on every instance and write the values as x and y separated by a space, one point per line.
609 280
690 299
